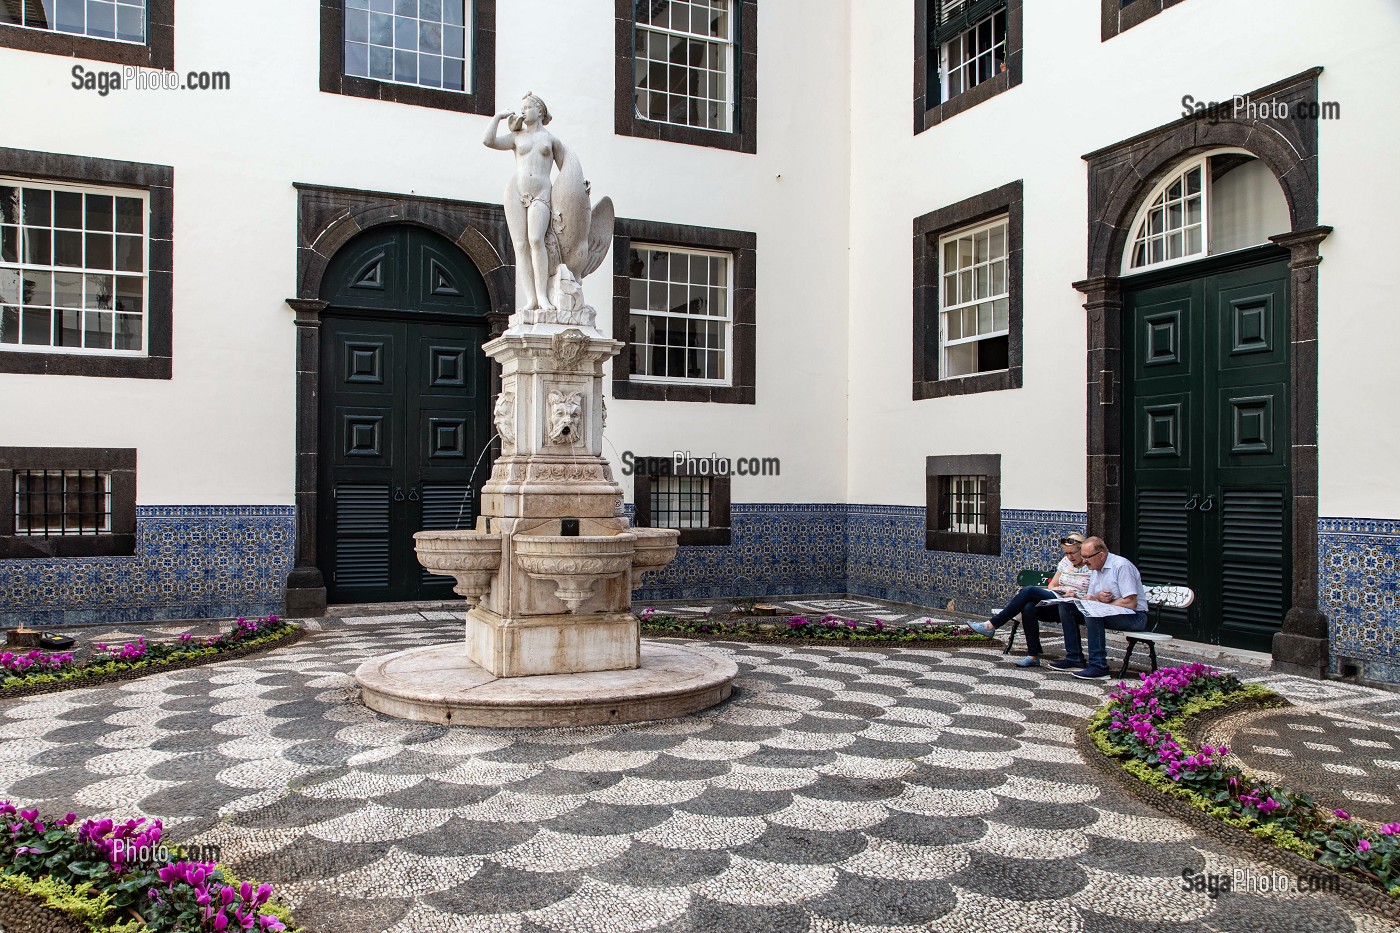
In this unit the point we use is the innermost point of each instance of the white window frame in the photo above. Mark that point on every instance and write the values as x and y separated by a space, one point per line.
726 349
945 307
725 43
945 73
468 51
965 488
144 197
145 26
1137 232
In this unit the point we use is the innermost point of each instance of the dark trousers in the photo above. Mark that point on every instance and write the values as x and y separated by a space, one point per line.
1032 615
1071 618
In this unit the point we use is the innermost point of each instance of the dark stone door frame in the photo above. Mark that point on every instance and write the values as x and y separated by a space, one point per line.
1120 176
327 219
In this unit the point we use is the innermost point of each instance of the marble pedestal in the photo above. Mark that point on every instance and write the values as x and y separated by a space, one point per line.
439 684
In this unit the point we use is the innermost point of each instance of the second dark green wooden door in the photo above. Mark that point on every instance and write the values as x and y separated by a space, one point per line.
1207 486
404 411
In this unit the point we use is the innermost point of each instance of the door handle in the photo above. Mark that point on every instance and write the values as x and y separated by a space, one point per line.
1192 502
398 494
1209 504
413 494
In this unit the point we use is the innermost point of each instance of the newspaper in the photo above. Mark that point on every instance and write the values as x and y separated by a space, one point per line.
1091 607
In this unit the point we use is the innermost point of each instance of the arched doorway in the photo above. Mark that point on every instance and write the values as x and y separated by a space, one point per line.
1120 177
404 409
1207 483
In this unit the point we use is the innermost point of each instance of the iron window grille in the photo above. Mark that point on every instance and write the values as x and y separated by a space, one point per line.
963 505
73 268
62 502
679 327
418 42
967 44
680 501
683 62
120 20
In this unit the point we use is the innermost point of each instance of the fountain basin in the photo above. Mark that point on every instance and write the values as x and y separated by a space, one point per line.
574 563
656 547
472 558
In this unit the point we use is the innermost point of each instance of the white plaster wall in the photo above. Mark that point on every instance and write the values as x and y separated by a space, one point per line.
221 431
1080 94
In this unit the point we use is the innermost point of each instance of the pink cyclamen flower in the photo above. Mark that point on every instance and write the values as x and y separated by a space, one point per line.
1390 829
1269 806
1341 814
1364 845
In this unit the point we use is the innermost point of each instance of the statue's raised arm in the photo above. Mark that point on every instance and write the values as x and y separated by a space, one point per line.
559 238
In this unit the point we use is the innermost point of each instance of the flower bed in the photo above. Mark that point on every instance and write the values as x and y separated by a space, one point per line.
743 626
39 671
1140 727
119 878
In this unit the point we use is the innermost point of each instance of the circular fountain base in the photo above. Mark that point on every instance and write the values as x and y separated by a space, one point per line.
439 684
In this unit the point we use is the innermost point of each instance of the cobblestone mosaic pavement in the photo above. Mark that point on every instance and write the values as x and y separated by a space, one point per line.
891 789
1341 761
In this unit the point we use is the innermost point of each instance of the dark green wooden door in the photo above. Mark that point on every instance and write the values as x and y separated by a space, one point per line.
1207 488
404 412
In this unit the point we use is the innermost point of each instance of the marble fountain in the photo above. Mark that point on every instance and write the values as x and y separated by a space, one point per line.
548 572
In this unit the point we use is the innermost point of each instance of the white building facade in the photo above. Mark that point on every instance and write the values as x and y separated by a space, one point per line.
240 321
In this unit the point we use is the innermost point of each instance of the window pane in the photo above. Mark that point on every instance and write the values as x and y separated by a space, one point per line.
99 211
68 290
130 215
68 210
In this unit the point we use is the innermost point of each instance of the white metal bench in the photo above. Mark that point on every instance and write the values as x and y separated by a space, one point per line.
1158 598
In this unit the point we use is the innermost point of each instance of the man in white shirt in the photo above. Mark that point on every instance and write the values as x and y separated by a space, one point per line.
1115 582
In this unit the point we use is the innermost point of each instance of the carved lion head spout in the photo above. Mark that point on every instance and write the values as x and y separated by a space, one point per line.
565 409
504 417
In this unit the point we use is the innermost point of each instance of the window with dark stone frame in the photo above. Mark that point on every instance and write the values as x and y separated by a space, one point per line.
950 525
21 513
929 381
742 135
716 534
1121 15
740 245
480 98
158 51
938 21
157 181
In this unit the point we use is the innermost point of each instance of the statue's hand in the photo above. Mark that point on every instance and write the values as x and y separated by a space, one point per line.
505 114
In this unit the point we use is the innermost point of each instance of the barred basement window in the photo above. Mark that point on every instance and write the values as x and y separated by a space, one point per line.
964 505
681 315
422 42
967 43
63 502
684 63
73 268
122 20
680 501
698 506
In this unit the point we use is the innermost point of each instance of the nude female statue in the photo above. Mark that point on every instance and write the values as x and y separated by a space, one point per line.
550 221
